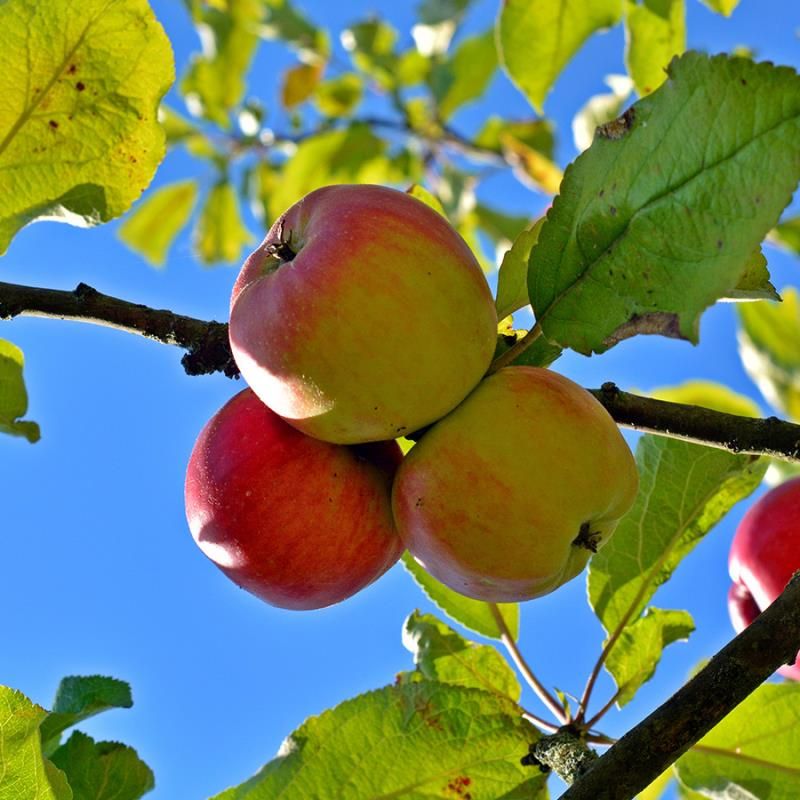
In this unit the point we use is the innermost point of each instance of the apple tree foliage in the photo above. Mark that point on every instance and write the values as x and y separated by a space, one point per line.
660 217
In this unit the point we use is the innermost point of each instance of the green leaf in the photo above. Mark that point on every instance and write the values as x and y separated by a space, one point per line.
539 354
684 490
13 395
724 7
464 76
530 166
434 12
103 770
634 657
25 773
220 233
537 38
340 96
787 234
753 753
512 279
372 48
152 227
769 346
440 654
180 131
473 614
600 109
655 33
502 228
79 136
80 697
708 394
216 80
415 740
645 234
284 22
754 283
351 155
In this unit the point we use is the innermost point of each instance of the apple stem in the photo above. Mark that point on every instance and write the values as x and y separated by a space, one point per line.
522 665
515 350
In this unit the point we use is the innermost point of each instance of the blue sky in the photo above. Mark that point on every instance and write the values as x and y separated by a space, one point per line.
99 573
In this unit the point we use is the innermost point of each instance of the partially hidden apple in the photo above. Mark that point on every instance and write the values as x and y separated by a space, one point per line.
362 315
298 522
764 554
508 496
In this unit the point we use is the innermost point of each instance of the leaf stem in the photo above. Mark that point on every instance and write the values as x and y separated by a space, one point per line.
522 665
515 350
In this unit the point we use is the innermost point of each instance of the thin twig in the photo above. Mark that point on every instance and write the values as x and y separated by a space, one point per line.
590 723
735 672
516 656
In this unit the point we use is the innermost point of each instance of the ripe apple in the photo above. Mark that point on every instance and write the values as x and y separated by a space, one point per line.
764 554
507 497
362 315
298 522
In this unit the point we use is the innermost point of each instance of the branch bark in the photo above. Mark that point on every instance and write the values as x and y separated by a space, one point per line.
206 343
208 351
732 674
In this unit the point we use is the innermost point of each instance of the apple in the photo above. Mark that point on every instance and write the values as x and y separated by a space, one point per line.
298 522
507 497
765 553
362 315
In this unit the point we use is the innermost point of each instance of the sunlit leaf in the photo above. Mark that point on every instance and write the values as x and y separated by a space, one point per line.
708 394
220 233
473 614
633 659
153 225
787 234
79 136
421 739
340 96
658 218
464 76
13 395
372 48
769 346
441 654
26 774
537 134
299 83
655 33
216 79
753 753
537 38
755 283
685 489
430 199
724 7
512 279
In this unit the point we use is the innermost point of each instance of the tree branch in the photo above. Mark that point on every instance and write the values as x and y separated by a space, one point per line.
206 343
732 674
208 351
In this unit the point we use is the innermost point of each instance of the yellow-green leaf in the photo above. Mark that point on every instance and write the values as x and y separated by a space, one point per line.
724 7
430 200
221 234
708 394
80 86
152 227
656 32
787 234
299 83
13 396
512 280
537 38
340 96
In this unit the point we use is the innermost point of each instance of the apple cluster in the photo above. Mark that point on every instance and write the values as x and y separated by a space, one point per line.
363 317
764 555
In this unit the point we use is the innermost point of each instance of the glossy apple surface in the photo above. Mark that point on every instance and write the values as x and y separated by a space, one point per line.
506 498
765 553
363 315
298 522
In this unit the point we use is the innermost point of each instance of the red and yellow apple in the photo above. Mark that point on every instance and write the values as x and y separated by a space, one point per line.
508 496
362 316
765 553
298 522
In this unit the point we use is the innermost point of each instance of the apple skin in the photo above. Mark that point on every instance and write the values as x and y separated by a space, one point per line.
379 324
298 522
764 555
493 500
